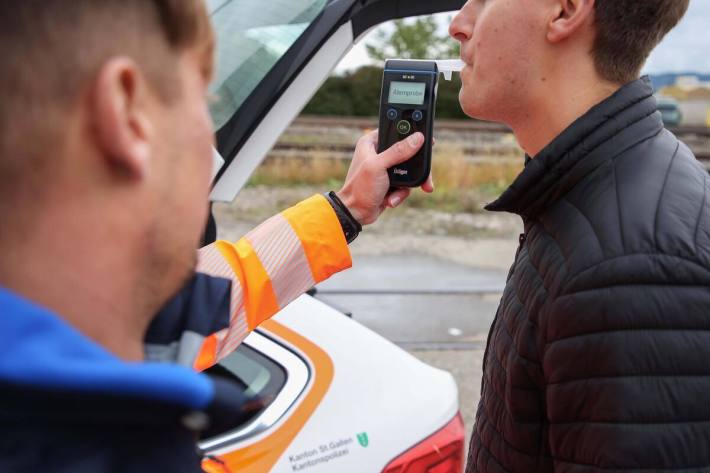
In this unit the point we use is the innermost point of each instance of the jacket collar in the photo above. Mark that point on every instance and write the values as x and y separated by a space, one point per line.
626 118
39 351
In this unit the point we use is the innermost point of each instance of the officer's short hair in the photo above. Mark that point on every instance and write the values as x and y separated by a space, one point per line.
51 50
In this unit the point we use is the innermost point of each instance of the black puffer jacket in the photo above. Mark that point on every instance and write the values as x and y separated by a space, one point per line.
599 356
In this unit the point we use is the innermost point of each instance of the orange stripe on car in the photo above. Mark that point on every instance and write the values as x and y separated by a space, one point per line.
263 455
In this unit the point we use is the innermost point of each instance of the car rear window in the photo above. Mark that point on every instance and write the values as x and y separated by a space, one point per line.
257 375
252 35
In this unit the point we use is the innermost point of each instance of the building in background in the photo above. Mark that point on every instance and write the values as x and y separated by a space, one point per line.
692 93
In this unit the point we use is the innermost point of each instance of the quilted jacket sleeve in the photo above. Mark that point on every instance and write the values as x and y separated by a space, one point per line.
627 368
270 267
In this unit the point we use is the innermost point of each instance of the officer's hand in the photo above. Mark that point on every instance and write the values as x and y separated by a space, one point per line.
365 192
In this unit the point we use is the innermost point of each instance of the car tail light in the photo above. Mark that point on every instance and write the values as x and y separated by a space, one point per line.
440 453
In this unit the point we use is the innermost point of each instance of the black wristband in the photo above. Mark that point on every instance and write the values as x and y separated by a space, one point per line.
351 227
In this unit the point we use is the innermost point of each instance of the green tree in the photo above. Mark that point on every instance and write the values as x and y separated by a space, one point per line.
420 38
366 85
357 93
333 98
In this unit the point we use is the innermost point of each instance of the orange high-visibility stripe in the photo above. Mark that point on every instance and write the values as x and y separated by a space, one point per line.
208 354
321 234
273 265
215 260
281 252
257 293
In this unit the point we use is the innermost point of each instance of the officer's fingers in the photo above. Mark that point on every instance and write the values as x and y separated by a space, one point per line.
428 186
398 196
367 145
365 151
402 150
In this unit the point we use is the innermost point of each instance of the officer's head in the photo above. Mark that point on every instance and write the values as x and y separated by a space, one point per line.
521 51
105 134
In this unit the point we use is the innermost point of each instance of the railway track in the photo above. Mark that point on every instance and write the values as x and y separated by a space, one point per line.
477 141
326 122
472 154
344 150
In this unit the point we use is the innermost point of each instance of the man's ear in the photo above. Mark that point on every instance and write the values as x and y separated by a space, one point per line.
120 117
570 17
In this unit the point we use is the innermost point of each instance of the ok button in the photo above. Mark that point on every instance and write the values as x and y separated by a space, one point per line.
404 127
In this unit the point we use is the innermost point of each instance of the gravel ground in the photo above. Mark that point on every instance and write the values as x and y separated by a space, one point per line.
478 240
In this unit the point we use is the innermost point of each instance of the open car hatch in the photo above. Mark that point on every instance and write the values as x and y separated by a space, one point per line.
272 57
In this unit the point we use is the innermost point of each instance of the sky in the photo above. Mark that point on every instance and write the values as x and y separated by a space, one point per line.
686 48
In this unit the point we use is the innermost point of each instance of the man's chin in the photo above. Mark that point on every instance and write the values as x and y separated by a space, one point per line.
188 270
477 106
470 105
177 276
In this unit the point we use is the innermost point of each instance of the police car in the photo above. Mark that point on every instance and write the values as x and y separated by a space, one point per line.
339 398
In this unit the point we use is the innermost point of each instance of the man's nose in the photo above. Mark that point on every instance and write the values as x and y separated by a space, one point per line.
461 27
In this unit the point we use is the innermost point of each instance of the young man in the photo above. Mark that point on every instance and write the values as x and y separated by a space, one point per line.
105 163
599 356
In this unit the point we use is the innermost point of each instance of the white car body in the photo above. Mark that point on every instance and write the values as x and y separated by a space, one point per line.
377 389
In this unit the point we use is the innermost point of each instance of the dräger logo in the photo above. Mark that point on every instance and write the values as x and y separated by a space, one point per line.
400 172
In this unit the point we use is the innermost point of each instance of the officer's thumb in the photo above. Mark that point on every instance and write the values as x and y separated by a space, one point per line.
402 150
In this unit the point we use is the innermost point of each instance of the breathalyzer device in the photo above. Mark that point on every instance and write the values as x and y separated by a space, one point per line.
407 106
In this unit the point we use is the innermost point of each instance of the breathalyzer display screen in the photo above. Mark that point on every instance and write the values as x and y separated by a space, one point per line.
407 93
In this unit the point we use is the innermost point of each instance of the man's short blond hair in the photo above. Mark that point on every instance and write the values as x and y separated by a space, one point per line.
52 49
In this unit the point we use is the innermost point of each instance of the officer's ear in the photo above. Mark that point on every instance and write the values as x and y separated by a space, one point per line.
570 16
119 115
